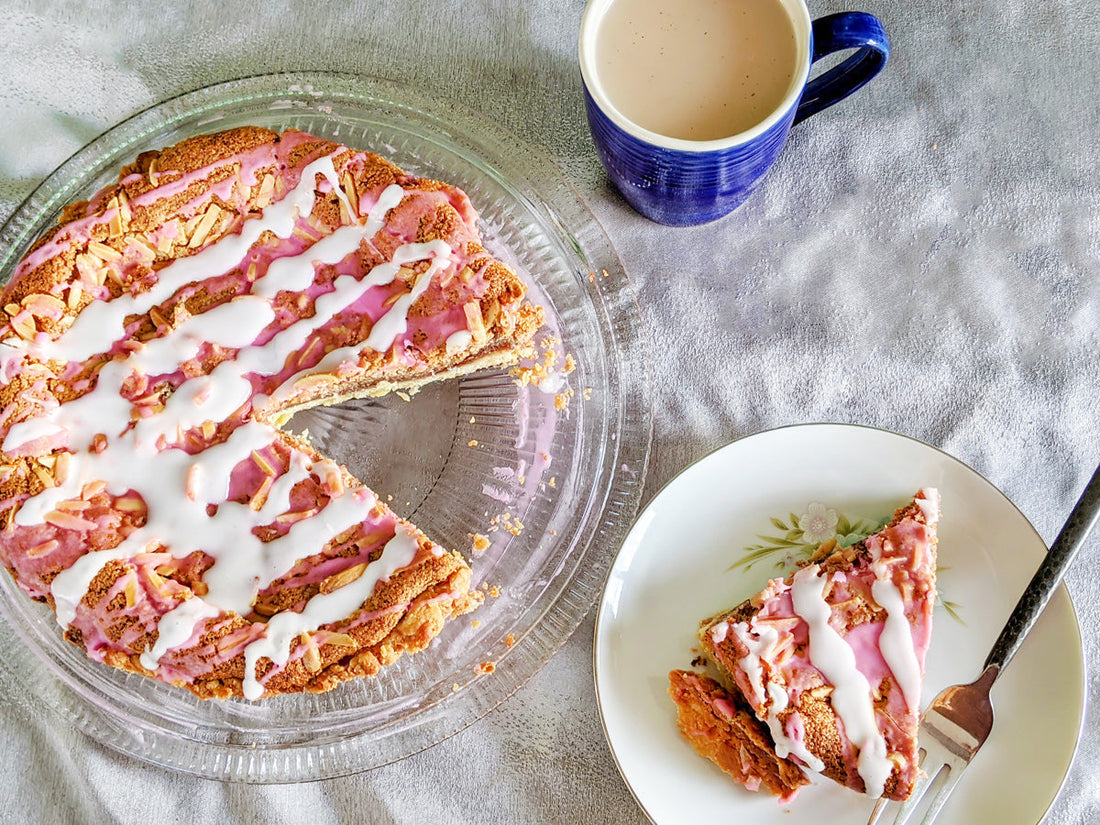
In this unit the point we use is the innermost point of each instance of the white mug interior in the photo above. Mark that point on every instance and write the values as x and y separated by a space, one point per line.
590 23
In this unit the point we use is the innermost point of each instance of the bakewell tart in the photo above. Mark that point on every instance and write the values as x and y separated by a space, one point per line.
151 346
829 662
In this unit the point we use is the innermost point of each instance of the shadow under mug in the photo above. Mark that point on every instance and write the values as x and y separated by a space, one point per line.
687 182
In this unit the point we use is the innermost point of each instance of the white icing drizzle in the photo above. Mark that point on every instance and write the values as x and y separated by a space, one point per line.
102 323
896 640
283 628
178 488
929 502
386 329
760 640
851 698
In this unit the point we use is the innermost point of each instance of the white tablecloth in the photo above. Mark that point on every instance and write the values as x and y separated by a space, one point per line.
923 258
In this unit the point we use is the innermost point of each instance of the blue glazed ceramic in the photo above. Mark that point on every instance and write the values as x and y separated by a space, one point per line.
685 182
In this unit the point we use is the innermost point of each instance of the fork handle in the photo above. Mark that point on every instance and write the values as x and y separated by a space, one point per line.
1048 576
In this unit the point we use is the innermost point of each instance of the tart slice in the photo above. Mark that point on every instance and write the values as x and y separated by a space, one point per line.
831 659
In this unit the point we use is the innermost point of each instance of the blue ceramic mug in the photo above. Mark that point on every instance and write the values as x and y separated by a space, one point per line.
686 182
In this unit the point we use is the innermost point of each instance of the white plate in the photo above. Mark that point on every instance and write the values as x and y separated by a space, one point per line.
674 569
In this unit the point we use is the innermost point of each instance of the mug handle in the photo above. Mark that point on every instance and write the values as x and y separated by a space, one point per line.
836 32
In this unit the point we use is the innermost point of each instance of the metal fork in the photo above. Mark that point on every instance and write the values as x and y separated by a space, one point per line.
958 722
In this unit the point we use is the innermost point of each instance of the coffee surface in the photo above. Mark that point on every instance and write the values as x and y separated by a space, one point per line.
696 69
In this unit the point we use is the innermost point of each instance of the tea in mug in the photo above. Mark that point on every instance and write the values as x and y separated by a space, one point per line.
696 69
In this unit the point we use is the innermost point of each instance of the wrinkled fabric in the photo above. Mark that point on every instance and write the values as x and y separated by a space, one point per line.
924 257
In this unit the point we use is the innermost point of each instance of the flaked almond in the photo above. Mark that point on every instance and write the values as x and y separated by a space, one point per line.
267 188
474 322
74 505
341 640
62 466
76 292
24 327
44 305
312 659
201 232
265 609
295 516
393 299
208 429
305 233
157 317
131 592
104 252
116 226
265 466
12 309
68 521
43 475
40 550
352 193
343 578
309 353
259 498
99 443
156 581
191 486
92 489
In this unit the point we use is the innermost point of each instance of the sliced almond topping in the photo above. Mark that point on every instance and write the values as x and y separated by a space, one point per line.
263 464
191 486
208 429
310 351
40 550
12 309
306 233
68 521
115 227
104 252
312 658
297 515
265 609
93 489
76 292
131 592
158 319
344 577
202 230
61 468
341 640
474 321
259 498
267 187
25 327
43 475
393 299
155 579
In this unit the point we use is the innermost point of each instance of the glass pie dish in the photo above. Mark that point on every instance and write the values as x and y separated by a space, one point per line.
551 476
